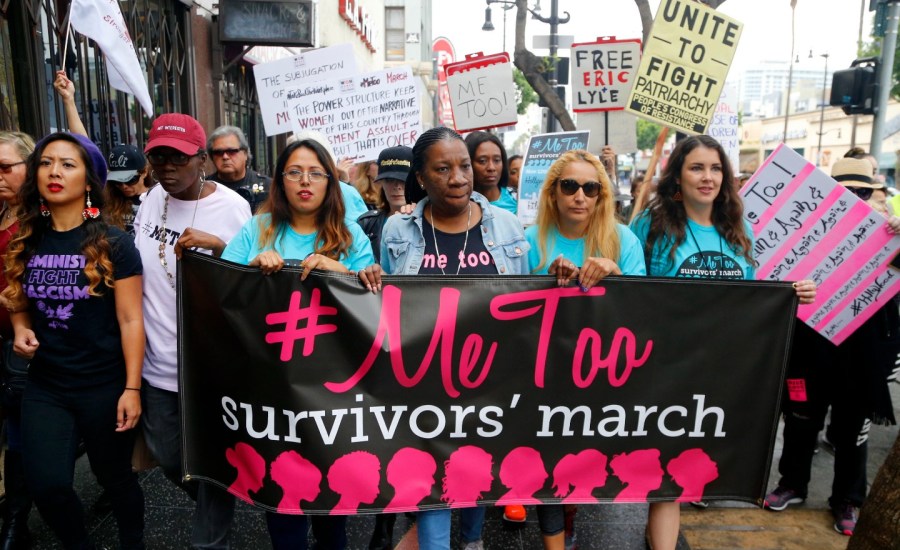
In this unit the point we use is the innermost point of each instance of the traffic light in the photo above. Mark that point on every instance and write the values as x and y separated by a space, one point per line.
855 89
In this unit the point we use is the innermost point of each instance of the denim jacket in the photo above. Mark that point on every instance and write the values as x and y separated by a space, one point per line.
403 243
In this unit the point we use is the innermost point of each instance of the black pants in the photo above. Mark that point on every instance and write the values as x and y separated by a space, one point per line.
53 420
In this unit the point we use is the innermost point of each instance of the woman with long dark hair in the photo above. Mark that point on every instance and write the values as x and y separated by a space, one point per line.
491 169
75 292
694 227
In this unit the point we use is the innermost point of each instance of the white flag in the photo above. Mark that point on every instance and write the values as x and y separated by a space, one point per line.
102 22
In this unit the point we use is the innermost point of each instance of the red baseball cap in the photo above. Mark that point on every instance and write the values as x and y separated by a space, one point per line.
178 131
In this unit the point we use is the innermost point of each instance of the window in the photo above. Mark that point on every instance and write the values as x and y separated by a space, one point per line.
394 34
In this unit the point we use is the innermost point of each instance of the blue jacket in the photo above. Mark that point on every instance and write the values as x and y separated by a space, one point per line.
403 245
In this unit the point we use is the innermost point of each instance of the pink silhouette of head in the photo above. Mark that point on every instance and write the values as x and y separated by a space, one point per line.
467 474
298 478
692 470
251 469
583 472
641 473
522 470
355 476
411 473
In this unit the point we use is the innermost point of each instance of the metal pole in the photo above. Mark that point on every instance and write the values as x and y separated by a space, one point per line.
787 103
885 73
554 46
859 47
822 111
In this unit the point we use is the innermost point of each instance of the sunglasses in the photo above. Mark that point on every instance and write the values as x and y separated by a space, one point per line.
7 168
223 152
178 159
132 181
864 193
570 187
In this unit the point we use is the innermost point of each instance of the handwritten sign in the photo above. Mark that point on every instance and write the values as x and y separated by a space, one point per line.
603 72
482 92
361 114
807 226
724 126
542 150
684 66
274 79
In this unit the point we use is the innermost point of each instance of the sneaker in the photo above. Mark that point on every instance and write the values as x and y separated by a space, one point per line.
845 518
781 497
515 513
701 504
474 545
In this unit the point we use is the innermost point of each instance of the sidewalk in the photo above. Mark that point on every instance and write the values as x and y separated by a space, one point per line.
725 525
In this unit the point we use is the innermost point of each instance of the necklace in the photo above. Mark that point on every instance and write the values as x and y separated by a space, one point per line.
465 241
162 232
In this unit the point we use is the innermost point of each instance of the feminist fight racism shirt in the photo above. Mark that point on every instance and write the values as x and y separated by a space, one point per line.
78 334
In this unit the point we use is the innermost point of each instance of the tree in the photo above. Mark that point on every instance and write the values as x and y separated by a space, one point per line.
525 95
878 519
647 132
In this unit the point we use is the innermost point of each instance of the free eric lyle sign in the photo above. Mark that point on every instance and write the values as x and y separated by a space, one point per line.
269 22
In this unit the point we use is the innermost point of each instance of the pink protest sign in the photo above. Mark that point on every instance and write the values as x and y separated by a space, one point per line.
807 226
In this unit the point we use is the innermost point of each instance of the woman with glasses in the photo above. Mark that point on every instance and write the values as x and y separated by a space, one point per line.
694 227
75 296
185 210
577 237
303 219
128 178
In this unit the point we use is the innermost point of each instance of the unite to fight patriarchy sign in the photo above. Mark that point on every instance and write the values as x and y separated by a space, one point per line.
807 226
685 62
318 397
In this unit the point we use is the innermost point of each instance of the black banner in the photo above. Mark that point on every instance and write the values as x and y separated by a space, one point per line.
319 397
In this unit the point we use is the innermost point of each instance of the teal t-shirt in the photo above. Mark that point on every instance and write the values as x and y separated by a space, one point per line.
704 254
631 257
506 201
291 245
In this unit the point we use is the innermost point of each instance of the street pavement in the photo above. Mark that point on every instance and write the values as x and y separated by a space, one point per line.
724 525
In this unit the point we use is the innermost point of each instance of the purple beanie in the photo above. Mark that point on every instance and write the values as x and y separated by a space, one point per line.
96 157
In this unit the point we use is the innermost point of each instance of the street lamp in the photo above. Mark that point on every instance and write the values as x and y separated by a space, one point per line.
821 107
554 21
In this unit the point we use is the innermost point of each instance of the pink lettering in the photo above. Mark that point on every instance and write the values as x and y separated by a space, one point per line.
590 337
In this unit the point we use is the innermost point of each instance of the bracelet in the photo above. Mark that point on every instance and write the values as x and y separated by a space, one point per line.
133 389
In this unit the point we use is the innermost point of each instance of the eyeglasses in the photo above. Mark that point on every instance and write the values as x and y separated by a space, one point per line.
222 152
297 175
7 168
570 187
178 159
864 193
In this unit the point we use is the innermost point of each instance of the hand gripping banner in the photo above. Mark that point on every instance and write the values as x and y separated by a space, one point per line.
318 397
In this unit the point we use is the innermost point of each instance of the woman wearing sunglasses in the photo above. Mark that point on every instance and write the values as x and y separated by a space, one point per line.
128 175
185 210
694 227
577 237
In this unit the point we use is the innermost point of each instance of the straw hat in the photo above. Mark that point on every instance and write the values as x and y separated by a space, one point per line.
852 172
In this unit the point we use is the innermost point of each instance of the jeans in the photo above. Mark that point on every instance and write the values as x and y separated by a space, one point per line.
290 532
161 421
53 421
434 527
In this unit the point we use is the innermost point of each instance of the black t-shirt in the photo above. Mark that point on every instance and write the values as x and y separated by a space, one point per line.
476 260
78 334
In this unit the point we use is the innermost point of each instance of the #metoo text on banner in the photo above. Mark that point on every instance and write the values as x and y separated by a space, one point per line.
361 114
807 226
685 62
276 78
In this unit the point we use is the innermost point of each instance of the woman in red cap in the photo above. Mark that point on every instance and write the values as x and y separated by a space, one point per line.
184 211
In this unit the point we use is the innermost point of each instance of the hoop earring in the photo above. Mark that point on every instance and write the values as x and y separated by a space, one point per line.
45 212
677 196
202 176
89 211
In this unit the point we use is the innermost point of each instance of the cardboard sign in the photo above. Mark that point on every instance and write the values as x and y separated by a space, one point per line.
685 62
542 150
482 92
602 73
617 129
361 114
724 126
807 226
274 79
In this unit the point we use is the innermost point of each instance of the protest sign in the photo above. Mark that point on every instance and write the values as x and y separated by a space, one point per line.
807 226
274 79
602 73
685 62
724 125
615 128
360 114
443 52
318 396
482 92
542 150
